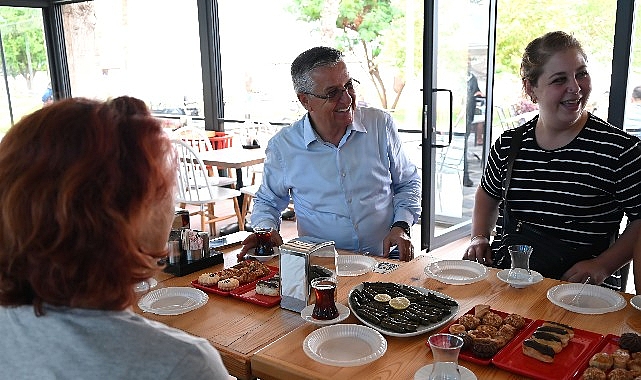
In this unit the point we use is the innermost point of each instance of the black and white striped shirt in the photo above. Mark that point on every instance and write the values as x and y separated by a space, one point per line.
578 193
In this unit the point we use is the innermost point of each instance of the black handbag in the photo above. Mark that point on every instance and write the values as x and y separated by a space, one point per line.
551 256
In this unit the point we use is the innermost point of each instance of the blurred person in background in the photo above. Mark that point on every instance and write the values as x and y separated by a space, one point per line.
87 198
632 120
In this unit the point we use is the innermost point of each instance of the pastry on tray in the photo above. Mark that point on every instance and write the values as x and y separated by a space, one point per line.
208 279
228 284
485 331
538 351
593 373
243 273
270 287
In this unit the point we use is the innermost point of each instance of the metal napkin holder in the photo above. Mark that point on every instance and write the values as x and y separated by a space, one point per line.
301 262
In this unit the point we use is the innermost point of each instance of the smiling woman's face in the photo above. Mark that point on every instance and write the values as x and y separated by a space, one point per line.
563 89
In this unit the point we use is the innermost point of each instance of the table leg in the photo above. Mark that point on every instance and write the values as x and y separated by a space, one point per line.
239 185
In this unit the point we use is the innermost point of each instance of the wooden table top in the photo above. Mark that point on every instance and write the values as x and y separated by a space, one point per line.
237 329
285 358
233 157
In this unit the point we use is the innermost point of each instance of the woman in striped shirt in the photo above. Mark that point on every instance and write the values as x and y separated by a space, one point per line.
574 177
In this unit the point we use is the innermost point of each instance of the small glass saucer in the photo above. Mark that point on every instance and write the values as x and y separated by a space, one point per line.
536 277
343 313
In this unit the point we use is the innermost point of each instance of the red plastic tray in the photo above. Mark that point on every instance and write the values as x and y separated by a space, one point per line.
241 289
608 344
469 356
248 293
566 363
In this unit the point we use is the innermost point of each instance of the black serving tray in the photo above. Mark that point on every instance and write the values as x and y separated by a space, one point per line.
183 268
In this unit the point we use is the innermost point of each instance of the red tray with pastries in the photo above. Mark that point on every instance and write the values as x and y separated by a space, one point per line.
469 356
609 344
566 363
214 288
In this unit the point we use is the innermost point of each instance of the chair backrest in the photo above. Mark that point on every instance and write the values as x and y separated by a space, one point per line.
192 182
198 140
196 137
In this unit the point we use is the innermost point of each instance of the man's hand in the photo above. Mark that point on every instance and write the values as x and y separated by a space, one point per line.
251 241
397 237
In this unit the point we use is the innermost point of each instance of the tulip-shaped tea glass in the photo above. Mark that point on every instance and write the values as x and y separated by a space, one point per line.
445 349
264 245
520 268
325 292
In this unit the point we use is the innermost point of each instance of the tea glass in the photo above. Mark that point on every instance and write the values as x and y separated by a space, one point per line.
264 245
445 349
520 268
325 293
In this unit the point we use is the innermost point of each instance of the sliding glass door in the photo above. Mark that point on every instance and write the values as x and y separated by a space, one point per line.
472 55
455 133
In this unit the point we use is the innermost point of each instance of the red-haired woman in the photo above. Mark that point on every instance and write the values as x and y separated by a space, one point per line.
86 206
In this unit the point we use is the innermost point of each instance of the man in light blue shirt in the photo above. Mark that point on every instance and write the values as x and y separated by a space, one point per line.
343 166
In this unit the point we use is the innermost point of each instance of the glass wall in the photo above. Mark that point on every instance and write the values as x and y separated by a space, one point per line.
632 119
381 44
131 48
24 84
591 22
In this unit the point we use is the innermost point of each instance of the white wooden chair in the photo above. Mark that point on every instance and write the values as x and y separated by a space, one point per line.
198 140
193 188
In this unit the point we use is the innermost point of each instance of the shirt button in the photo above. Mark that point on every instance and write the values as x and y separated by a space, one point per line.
343 174
349 200
356 227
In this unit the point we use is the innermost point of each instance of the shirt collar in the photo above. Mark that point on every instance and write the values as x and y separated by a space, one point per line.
310 135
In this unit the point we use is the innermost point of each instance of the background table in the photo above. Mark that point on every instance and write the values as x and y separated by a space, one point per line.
234 158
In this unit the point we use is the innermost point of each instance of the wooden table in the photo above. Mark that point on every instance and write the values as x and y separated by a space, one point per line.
237 329
234 158
285 359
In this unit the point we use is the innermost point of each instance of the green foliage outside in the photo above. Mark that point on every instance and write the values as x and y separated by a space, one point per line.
520 21
363 25
23 41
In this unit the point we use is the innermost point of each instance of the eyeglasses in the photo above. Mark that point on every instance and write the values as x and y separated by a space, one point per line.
337 93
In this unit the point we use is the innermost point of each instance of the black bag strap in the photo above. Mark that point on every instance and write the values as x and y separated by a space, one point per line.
514 150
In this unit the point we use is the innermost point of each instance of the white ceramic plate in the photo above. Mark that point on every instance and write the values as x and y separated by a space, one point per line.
172 300
343 313
424 373
354 265
456 272
536 278
345 345
594 299
636 302
422 329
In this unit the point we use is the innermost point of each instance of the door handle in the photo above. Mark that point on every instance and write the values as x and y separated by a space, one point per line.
451 129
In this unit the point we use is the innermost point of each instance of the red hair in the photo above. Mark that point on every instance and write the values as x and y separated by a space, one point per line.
76 179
